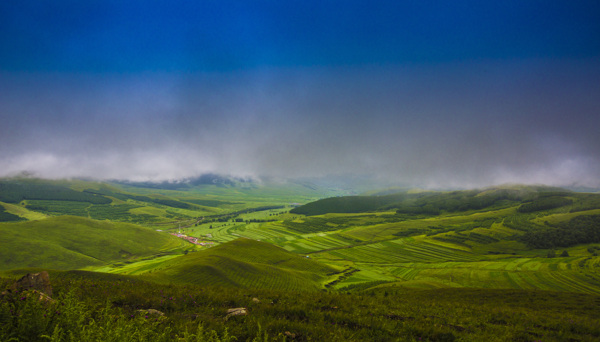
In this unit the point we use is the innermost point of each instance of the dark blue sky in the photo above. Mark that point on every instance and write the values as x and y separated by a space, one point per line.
429 93
133 36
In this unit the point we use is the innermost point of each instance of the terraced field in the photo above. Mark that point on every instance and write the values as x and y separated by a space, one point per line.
453 240
469 251
521 273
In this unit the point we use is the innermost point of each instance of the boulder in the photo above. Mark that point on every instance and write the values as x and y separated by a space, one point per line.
151 312
236 312
42 297
34 281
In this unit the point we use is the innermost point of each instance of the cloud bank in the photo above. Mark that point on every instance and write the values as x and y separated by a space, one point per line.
435 125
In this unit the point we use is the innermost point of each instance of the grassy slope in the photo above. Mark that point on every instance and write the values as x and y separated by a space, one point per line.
382 267
245 263
69 242
472 248
23 212
475 248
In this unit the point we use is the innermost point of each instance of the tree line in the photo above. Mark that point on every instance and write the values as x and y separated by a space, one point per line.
579 230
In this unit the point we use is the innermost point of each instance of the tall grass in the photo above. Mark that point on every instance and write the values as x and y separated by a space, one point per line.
92 307
23 317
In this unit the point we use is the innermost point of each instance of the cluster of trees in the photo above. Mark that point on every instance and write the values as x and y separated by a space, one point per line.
348 204
545 203
427 209
263 208
163 201
435 203
432 203
451 202
233 217
456 201
252 220
594 250
411 232
552 254
581 229
312 225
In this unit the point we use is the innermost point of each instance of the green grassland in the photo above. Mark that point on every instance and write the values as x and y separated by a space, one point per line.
486 247
69 242
440 239
504 264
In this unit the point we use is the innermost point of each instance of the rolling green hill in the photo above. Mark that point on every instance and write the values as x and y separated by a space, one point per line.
245 263
16 190
69 242
518 237
471 238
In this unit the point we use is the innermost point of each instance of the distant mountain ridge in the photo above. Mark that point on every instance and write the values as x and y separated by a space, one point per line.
205 179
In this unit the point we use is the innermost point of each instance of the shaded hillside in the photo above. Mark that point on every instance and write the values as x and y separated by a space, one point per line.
14 191
69 242
579 230
434 203
351 204
245 263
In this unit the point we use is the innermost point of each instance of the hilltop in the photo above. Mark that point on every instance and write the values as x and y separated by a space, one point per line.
245 263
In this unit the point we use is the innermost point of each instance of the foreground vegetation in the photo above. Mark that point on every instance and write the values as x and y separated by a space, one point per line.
92 306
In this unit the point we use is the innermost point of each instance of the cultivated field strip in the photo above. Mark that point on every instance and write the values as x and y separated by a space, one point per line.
486 275
298 243
400 251
434 252
315 244
369 232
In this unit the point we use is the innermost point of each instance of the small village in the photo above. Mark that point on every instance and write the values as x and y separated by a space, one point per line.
193 240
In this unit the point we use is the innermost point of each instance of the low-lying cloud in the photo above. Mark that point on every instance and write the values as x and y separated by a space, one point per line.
448 125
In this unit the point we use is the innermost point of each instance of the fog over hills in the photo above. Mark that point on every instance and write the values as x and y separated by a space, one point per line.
419 95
